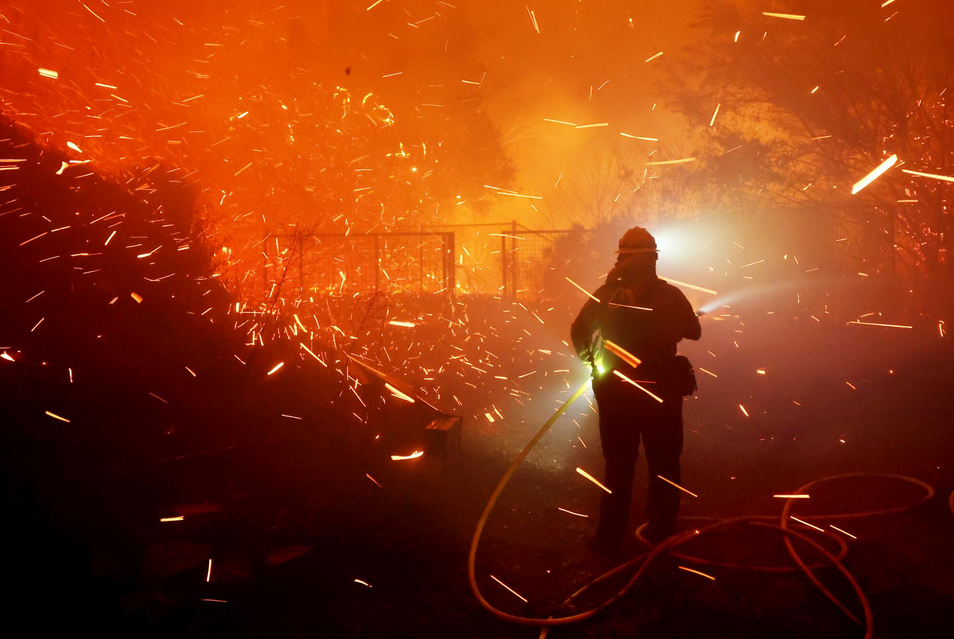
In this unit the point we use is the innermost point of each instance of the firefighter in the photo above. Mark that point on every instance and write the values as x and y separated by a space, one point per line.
628 336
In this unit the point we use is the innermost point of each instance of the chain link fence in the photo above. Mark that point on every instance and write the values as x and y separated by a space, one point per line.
339 264
509 261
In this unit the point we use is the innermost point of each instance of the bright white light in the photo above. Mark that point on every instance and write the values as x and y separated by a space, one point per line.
666 242
675 246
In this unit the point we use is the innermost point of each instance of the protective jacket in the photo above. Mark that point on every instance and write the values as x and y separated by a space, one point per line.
643 314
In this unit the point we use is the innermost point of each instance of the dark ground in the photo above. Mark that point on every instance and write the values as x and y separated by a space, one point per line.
288 531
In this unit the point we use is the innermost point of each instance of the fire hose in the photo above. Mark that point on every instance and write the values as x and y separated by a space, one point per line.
645 560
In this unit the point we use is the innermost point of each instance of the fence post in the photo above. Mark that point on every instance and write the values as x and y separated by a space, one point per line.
264 275
301 263
514 264
450 263
503 262
377 263
420 264
891 240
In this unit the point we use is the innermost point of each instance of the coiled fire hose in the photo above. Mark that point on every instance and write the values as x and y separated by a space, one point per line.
645 560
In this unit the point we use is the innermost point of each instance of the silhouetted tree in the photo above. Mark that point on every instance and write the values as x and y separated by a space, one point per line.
808 107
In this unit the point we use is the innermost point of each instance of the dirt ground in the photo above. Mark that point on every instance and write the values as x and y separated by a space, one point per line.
276 540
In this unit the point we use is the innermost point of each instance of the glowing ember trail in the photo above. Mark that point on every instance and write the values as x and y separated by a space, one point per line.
634 383
587 293
875 174
860 323
784 16
416 454
688 492
690 286
512 591
592 479
696 572
622 353
638 308
310 352
398 393
668 162
933 176
805 523
638 137
834 527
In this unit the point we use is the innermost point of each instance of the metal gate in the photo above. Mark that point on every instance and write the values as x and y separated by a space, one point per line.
500 260
525 255
346 264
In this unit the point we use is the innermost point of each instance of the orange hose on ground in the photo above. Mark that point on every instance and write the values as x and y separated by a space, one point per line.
646 559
